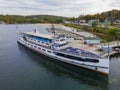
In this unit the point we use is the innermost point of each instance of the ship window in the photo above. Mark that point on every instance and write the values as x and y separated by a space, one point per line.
78 58
47 43
43 42
60 54
92 60
32 45
72 57
43 49
35 46
39 48
62 39
49 51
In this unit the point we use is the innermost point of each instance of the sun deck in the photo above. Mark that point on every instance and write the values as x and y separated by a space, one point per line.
41 39
47 36
79 52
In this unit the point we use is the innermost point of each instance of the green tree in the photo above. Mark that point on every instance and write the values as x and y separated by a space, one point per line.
106 24
113 32
94 25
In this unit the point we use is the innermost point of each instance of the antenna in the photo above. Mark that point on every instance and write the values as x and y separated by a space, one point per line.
53 28
53 31
17 27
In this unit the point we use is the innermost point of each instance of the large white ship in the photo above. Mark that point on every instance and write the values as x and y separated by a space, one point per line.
57 48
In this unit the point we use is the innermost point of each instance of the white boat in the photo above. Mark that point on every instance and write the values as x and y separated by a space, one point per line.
57 48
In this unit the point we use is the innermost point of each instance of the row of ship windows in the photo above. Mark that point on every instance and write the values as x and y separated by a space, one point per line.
38 41
61 40
40 48
77 58
37 47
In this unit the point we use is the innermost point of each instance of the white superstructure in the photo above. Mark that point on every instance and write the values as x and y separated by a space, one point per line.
57 48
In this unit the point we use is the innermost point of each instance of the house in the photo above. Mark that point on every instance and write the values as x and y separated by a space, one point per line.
117 22
1 22
67 22
82 21
75 22
91 21
91 40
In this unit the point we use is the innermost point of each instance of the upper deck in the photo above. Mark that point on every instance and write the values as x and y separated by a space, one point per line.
37 34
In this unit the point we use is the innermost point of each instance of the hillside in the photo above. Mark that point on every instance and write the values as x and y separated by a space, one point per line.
11 19
112 15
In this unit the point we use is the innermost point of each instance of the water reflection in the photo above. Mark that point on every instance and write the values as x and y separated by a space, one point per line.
115 57
114 76
62 70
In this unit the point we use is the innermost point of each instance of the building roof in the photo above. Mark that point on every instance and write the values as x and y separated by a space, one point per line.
91 38
47 36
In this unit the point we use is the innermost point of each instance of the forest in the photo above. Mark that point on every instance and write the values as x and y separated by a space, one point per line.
14 19
110 15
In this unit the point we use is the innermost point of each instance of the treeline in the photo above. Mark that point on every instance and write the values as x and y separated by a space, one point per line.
111 15
12 19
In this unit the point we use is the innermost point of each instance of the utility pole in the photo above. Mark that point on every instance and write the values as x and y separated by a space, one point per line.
108 50
53 30
118 37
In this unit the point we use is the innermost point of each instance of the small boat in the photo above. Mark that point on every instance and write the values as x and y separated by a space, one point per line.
57 48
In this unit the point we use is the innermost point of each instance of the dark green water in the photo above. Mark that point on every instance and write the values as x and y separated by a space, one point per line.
21 69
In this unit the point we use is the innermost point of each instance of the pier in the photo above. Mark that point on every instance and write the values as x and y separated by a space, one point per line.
115 45
73 33
112 44
77 42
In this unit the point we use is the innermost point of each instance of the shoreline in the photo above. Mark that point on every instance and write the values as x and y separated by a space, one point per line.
32 23
49 24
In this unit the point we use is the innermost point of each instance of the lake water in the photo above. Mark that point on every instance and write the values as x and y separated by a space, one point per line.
21 69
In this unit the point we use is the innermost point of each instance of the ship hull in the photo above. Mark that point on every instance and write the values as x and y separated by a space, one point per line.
103 71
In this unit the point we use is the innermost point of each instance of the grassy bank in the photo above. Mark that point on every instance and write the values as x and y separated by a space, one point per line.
109 34
73 26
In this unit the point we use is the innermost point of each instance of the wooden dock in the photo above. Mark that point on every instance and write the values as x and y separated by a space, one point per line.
76 42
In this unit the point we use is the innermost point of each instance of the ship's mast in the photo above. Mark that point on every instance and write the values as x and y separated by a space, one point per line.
54 37
53 29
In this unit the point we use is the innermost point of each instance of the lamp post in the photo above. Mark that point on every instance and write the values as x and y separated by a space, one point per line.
118 37
108 50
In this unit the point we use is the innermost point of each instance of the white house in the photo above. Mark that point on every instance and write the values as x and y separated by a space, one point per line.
91 40
2 22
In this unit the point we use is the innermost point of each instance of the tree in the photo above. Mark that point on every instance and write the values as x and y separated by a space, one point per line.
94 25
106 24
113 32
